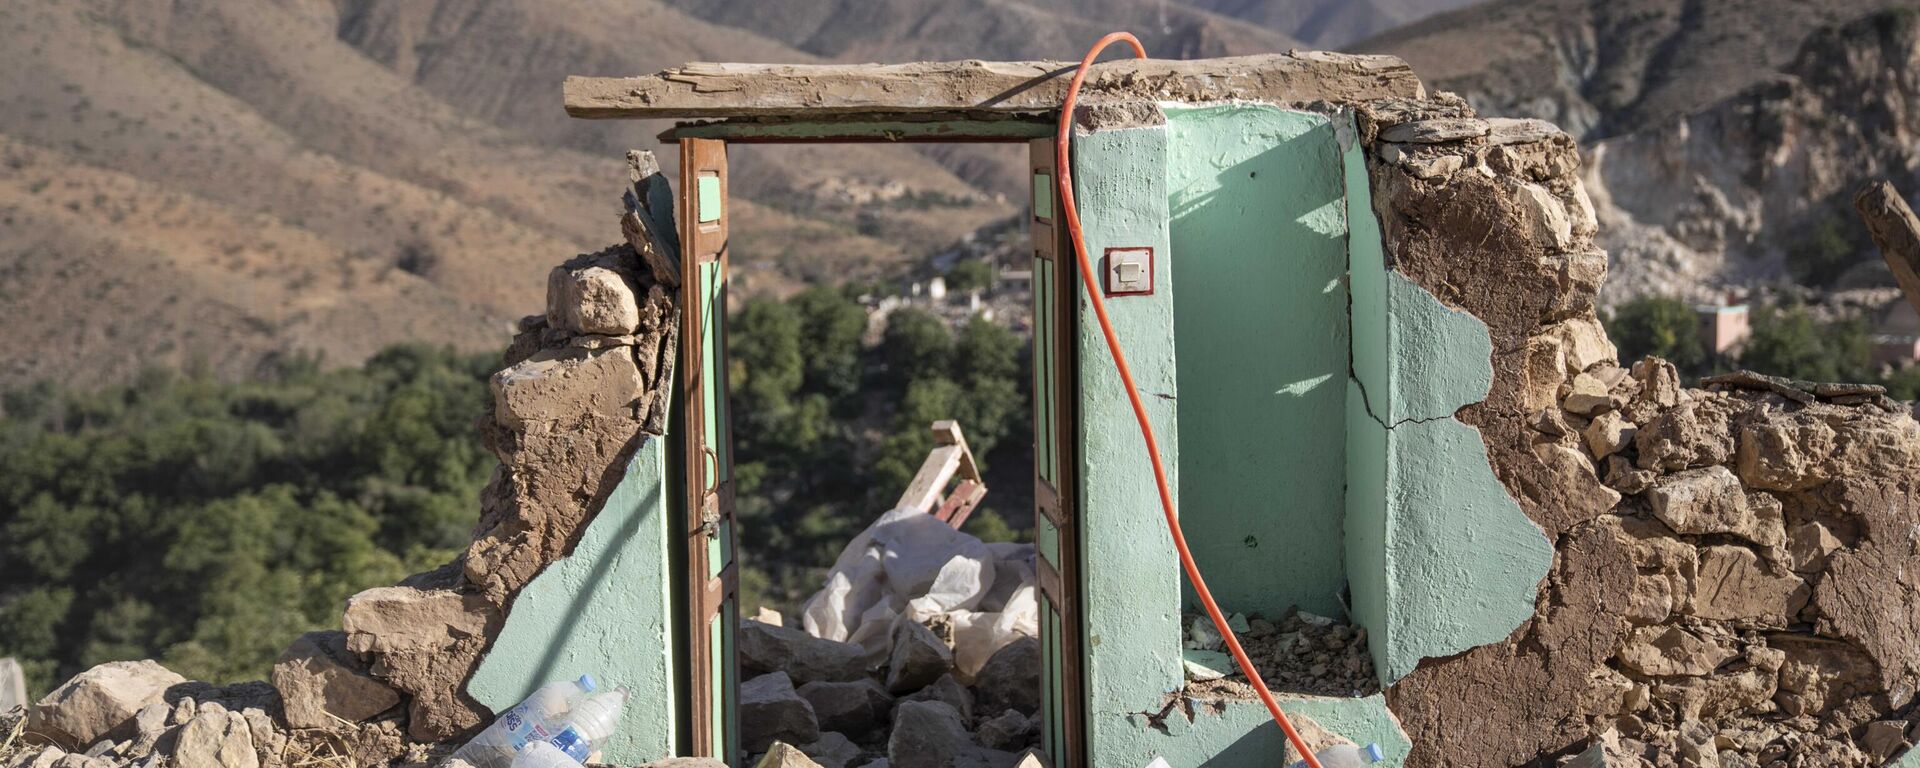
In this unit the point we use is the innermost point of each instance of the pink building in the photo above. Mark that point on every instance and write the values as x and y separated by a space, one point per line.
1724 326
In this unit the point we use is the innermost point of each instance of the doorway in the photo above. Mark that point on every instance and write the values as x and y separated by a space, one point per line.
709 600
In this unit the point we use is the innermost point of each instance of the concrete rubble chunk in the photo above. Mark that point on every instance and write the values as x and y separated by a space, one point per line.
319 680
1009 731
918 658
770 710
784 755
1006 682
854 707
1435 131
930 734
947 691
216 740
767 648
99 700
832 750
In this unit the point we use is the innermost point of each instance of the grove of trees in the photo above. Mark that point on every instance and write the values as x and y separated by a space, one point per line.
208 523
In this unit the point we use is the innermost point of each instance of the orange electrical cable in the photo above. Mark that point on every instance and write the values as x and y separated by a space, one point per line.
1064 180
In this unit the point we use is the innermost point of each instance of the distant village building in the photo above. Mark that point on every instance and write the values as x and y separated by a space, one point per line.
1723 326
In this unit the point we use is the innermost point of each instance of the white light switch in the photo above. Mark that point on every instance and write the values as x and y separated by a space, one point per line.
1129 271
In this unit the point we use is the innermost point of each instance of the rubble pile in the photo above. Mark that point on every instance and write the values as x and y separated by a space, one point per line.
913 709
1761 517
137 713
1300 653
919 650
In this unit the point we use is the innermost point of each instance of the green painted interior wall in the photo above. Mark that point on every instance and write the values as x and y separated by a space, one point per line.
602 610
1133 582
1260 323
1440 558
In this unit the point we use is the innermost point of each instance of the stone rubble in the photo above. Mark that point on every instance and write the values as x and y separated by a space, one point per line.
1300 653
911 709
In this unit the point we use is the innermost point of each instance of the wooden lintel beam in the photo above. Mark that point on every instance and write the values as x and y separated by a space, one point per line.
1896 231
986 87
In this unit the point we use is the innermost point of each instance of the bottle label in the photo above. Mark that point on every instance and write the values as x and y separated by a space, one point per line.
574 743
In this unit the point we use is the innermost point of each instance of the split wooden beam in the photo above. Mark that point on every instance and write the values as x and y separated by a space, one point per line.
983 87
950 457
1896 231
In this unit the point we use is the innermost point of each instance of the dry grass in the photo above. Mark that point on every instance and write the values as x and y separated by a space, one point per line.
13 731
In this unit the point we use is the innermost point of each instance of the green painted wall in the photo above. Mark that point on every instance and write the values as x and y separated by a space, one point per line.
1133 580
602 610
1260 322
1440 558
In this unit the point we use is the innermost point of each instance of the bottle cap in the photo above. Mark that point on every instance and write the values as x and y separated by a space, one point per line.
1374 754
587 684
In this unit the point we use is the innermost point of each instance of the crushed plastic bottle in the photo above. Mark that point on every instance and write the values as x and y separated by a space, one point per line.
536 719
541 754
1345 756
590 725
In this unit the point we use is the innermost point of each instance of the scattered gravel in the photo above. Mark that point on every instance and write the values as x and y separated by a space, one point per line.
1300 653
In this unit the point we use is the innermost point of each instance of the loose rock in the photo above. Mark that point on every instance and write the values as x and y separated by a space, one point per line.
98 700
770 710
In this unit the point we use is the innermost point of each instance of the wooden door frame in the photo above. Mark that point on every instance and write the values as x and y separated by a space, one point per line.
701 247
707 504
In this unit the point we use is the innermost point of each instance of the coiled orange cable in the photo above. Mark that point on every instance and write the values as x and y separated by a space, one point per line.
1064 180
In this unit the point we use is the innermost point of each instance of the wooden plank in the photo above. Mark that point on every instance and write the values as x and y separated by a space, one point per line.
959 504
936 127
790 90
1896 230
924 492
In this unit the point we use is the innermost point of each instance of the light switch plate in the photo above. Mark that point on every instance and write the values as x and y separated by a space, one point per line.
1128 271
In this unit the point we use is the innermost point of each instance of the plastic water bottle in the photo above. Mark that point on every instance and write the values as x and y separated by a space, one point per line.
536 719
541 754
590 724
1345 756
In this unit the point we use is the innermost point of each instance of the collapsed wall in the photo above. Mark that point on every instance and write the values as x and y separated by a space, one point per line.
584 385
1727 586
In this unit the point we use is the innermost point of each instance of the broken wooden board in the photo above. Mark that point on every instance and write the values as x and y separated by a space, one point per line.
813 90
1896 231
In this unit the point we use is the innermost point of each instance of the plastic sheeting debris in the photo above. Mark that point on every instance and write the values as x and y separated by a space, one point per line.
909 564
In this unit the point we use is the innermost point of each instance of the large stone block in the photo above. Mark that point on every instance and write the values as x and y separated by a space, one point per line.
319 680
557 388
591 299
98 700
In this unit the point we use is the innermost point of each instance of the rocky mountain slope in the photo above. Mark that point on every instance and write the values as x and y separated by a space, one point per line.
240 180
1722 140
